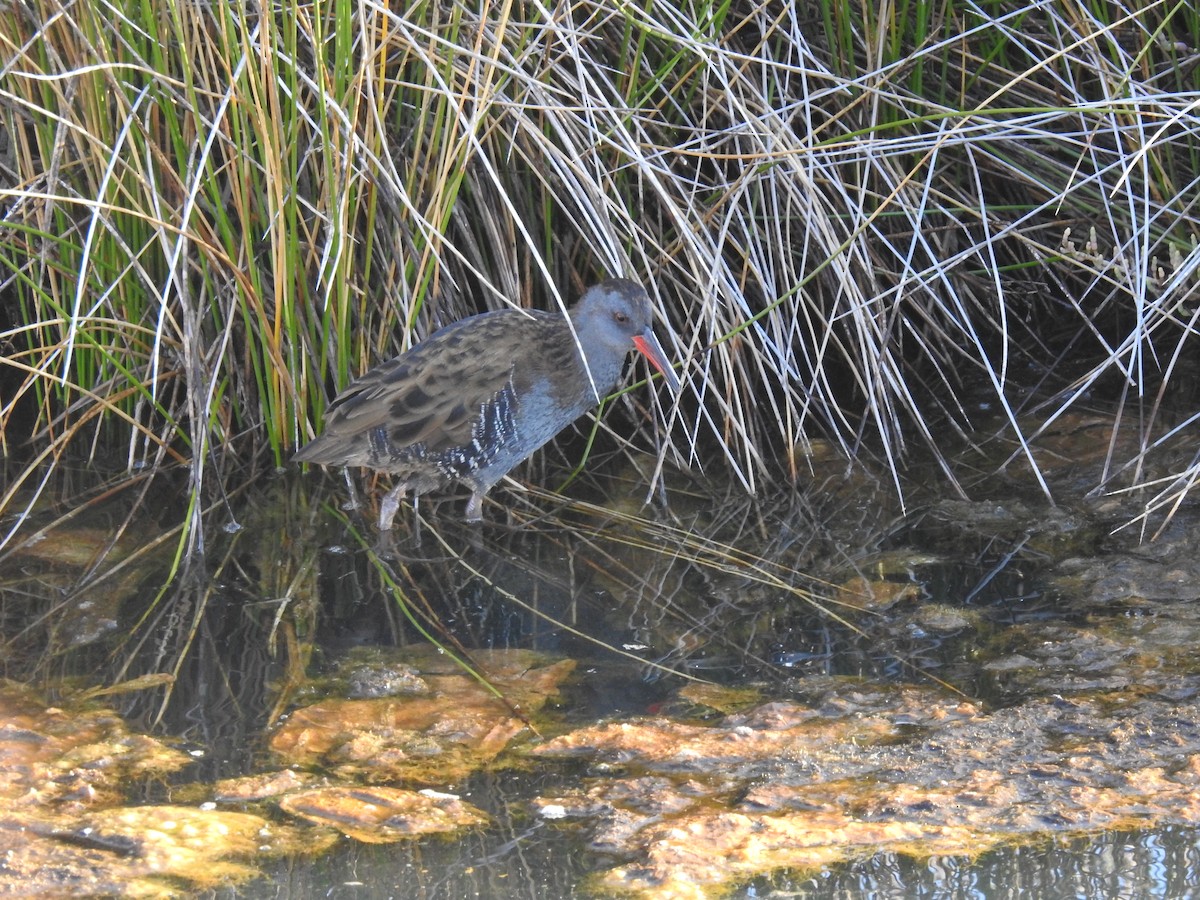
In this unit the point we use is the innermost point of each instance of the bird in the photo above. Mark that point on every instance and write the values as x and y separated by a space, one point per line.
479 396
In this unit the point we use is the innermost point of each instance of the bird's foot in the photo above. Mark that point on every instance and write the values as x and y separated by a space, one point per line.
390 505
385 545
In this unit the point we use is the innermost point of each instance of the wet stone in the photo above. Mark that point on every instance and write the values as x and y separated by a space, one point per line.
942 619
810 789
379 815
69 759
385 681
440 736
261 786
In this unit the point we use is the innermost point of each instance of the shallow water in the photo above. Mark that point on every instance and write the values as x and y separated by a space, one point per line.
1008 686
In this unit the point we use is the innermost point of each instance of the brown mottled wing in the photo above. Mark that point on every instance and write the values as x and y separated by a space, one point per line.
434 394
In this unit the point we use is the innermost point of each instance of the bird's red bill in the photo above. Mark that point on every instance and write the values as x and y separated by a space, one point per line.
649 346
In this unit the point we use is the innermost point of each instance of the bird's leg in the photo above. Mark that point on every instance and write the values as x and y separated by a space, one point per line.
416 505
475 505
389 505
352 503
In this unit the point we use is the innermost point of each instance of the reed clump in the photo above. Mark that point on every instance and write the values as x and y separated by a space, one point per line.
864 228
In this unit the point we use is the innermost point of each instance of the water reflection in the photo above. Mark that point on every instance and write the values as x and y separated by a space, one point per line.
523 862
1163 863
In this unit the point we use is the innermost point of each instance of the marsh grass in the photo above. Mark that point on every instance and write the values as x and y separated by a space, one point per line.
856 226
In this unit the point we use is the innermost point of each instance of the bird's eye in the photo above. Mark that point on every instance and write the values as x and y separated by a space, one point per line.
621 317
